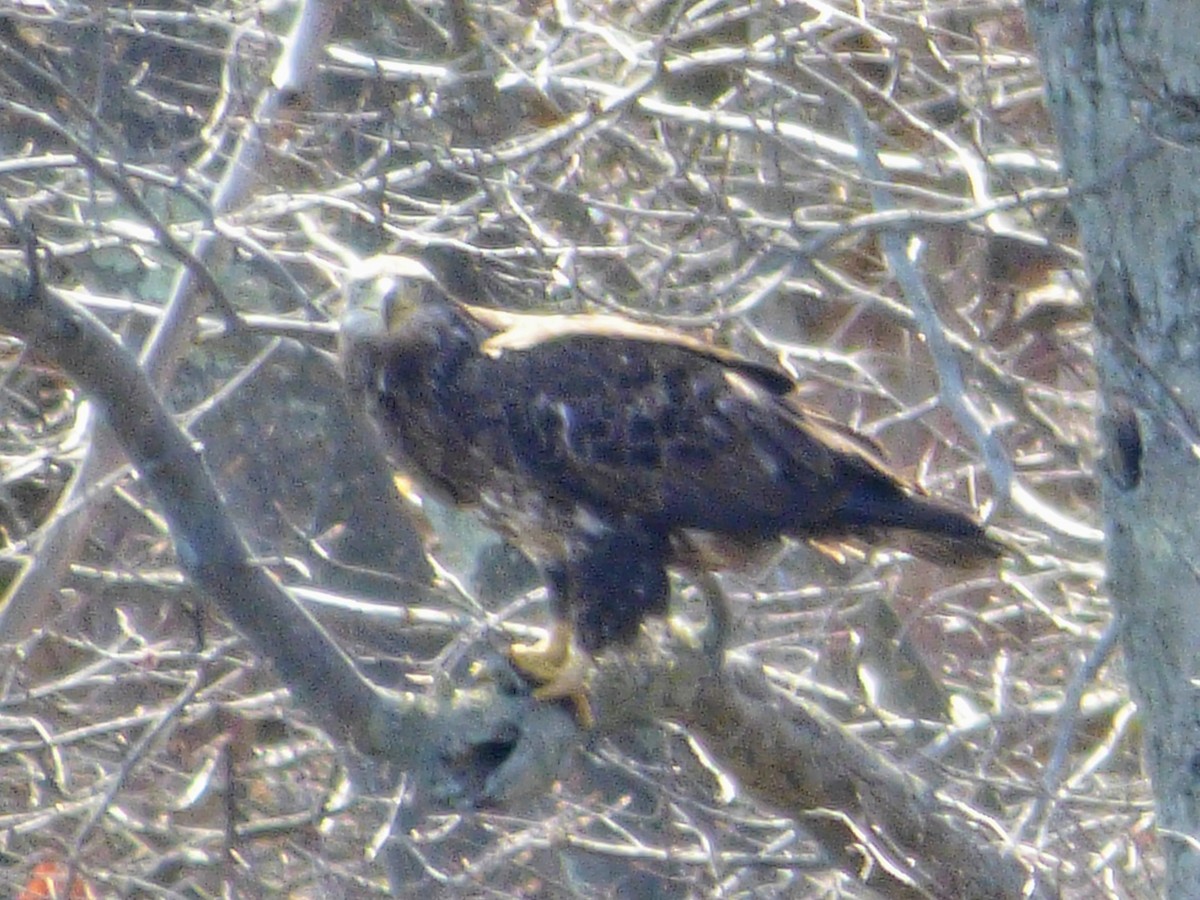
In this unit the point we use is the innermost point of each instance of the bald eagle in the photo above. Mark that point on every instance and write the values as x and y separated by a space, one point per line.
611 451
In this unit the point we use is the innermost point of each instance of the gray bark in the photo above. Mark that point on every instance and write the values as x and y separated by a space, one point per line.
1123 83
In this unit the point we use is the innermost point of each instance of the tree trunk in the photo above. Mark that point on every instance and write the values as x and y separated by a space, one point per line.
1123 86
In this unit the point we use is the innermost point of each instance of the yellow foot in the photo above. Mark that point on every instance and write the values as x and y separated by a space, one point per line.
560 668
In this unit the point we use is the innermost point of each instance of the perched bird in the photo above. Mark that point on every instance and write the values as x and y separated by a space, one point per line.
611 451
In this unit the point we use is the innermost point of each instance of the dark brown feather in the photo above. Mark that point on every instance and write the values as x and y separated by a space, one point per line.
567 430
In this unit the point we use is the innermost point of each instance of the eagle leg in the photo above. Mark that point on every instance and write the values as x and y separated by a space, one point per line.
560 667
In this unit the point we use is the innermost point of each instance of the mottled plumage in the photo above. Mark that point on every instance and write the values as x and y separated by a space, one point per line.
610 451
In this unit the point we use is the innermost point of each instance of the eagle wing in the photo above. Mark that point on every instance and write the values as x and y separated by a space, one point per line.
521 331
638 421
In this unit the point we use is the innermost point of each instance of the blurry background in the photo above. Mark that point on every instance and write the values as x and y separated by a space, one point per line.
867 195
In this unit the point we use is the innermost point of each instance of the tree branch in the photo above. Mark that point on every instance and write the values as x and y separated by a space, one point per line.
474 745
793 756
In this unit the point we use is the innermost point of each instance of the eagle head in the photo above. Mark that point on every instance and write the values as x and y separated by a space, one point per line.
380 294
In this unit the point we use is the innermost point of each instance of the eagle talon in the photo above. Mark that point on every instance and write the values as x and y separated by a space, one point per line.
544 660
560 668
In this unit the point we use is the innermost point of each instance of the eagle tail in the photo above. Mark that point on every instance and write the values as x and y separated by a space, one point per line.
931 529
